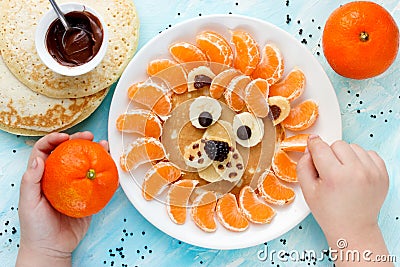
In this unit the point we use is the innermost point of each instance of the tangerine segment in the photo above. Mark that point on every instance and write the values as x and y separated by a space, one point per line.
229 214
186 52
170 72
253 208
291 87
302 116
284 167
177 199
273 191
221 81
140 121
236 92
247 54
152 95
158 177
215 47
203 211
296 143
271 66
256 97
143 150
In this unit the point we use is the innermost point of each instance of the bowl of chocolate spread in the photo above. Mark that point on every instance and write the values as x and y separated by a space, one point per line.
77 51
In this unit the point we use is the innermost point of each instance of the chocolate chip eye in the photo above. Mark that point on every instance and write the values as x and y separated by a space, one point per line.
205 119
244 132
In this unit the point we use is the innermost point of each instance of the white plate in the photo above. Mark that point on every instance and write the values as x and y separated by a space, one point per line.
318 87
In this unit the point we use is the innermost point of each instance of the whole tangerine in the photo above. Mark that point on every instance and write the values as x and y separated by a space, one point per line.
80 178
360 40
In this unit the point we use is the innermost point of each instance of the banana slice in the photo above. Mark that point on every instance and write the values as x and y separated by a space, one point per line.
199 77
195 155
279 108
204 112
231 169
248 129
210 174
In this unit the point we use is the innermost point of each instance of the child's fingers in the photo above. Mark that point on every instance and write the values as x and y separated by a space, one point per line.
105 145
82 135
45 145
344 153
306 174
322 155
30 190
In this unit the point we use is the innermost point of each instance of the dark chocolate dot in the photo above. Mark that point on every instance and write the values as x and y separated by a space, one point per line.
195 146
239 166
235 156
199 153
275 111
191 157
229 164
205 119
232 174
244 132
220 167
200 161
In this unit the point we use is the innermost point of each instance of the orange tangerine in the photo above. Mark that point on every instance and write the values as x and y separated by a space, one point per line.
256 97
152 95
271 66
291 87
253 208
170 72
236 91
284 167
215 47
140 121
229 214
142 150
301 116
247 54
295 143
203 211
221 81
158 177
177 199
273 191
186 52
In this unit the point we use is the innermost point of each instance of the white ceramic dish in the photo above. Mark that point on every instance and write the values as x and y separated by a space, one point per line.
318 87
48 60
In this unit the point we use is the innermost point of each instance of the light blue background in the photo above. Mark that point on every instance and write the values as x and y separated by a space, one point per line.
120 236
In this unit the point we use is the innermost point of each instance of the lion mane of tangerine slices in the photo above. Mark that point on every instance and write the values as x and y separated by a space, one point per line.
253 208
170 72
247 54
273 191
271 65
203 211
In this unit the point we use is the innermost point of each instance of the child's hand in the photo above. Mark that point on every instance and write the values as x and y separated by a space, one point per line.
47 236
345 187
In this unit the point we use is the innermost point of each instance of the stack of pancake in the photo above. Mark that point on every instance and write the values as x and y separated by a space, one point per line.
34 100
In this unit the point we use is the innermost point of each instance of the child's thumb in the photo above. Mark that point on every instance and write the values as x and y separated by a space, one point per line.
30 190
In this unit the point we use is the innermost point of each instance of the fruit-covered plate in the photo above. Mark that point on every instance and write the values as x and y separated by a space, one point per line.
136 178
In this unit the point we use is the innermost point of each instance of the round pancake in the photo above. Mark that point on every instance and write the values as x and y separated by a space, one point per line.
25 112
17 35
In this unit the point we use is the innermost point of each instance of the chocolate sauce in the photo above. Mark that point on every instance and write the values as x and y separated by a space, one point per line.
80 44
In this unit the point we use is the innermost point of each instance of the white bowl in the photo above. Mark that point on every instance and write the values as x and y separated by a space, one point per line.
48 60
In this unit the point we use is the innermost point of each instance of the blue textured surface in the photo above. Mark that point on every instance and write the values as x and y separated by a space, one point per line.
120 236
